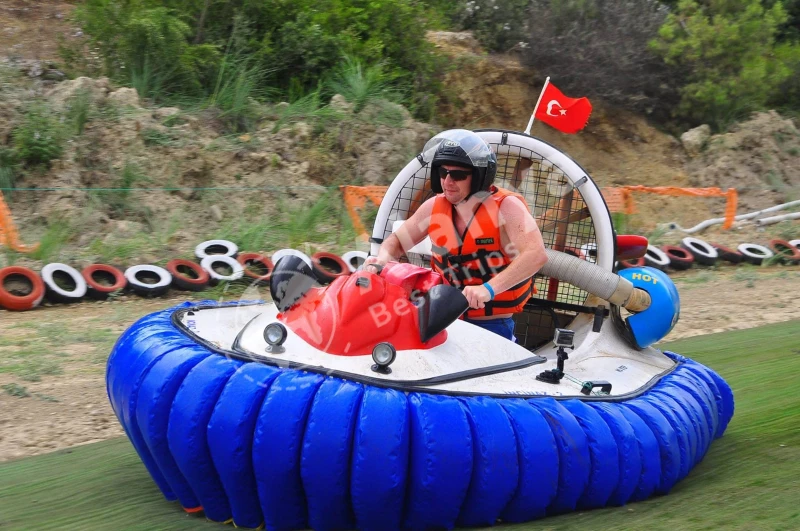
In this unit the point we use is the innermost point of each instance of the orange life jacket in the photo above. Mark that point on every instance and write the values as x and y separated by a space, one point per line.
475 257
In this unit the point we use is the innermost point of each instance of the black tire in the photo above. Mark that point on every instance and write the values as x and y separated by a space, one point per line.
215 278
215 248
787 252
679 258
703 252
139 277
754 253
656 258
51 273
196 281
354 259
328 267
280 253
728 255
634 262
103 280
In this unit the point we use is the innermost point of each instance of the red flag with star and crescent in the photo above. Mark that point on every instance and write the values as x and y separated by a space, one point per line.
568 115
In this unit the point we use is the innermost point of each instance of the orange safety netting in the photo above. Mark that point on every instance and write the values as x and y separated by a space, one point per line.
8 231
356 197
621 199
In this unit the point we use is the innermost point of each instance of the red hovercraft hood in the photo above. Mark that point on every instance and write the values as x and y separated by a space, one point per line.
406 305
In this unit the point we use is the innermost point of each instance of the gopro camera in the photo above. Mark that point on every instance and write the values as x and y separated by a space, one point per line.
564 337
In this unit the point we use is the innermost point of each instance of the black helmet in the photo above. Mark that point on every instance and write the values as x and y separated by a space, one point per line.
462 148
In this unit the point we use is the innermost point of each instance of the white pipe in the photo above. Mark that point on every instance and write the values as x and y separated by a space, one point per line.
777 219
707 223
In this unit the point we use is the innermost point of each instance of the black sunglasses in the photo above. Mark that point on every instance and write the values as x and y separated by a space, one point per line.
456 175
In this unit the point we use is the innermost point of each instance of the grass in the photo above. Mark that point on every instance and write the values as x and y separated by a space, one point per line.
56 236
294 226
748 480
36 351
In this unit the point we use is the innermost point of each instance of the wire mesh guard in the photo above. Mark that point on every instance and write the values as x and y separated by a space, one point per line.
562 217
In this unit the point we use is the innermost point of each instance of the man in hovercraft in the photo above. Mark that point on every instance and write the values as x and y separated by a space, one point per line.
483 238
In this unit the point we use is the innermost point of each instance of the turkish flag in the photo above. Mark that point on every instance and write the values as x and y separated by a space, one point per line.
568 115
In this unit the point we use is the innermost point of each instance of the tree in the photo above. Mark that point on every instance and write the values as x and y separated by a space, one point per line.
728 50
599 48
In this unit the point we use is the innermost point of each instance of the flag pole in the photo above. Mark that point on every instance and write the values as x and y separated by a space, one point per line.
530 123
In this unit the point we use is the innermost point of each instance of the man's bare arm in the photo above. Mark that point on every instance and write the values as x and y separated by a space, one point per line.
410 233
526 247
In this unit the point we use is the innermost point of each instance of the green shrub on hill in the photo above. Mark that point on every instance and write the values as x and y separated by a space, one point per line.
184 48
39 138
729 52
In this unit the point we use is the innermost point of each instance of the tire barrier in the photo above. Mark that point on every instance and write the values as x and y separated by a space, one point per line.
20 289
256 266
295 449
55 274
187 276
754 253
703 252
328 267
102 280
728 255
277 255
148 280
786 251
354 259
215 248
679 258
656 258
237 271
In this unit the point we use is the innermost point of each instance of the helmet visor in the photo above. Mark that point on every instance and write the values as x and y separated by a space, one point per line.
473 145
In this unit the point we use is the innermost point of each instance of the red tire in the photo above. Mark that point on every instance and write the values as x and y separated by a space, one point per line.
328 267
187 275
728 255
256 266
103 280
679 258
10 299
634 262
786 251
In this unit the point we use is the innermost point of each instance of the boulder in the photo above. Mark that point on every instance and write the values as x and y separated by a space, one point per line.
694 140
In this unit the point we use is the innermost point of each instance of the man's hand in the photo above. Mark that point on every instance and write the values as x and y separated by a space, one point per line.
373 265
477 296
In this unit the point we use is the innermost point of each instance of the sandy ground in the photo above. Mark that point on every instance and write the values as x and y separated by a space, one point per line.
55 356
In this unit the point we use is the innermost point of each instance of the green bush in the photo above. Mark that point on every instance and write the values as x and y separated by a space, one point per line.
360 84
175 48
8 167
79 108
497 24
728 50
39 138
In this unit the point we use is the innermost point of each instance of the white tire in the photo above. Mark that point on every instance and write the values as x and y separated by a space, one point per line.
704 253
589 251
754 253
136 275
655 257
208 262
277 255
216 248
56 293
354 259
